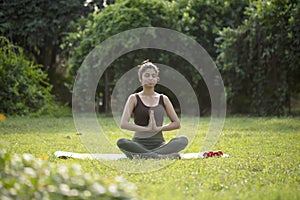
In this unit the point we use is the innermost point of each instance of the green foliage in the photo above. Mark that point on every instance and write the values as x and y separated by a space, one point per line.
200 19
256 43
260 59
24 86
25 177
116 18
39 27
203 19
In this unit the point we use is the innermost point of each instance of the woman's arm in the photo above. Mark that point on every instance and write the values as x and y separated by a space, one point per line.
125 119
175 123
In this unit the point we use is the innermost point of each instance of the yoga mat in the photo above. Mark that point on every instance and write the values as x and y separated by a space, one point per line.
66 155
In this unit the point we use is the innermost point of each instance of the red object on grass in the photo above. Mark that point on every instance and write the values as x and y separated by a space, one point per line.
211 153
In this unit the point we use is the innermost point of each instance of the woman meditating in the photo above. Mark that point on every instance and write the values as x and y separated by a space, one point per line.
147 108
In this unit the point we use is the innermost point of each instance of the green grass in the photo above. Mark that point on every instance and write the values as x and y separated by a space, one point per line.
264 160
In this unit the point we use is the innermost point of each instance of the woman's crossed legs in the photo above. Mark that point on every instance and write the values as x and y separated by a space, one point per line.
169 150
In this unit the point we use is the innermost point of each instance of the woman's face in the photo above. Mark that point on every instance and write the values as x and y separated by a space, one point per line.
149 77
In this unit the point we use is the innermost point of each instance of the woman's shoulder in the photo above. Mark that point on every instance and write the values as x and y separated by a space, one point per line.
165 97
160 94
132 97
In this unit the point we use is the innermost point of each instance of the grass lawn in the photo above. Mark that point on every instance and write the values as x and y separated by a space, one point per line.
264 160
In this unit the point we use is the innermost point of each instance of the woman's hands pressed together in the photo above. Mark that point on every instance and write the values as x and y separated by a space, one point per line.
152 127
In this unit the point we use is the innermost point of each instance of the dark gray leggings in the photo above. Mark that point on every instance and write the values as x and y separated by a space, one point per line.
131 148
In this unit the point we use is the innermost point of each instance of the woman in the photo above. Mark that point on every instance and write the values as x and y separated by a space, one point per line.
148 109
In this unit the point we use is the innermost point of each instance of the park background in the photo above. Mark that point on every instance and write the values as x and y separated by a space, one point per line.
255 45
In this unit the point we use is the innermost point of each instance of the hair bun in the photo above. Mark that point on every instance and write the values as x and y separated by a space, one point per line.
145 61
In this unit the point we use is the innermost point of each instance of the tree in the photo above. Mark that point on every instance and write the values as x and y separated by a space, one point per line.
203 20
40 26
116 18
260 59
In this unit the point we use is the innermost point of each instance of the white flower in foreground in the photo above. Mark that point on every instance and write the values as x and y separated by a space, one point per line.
99 188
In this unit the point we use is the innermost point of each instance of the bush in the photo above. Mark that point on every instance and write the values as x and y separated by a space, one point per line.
24 86
260 59
24 177
54 109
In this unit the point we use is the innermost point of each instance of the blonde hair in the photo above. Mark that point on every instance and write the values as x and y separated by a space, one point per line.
146 64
